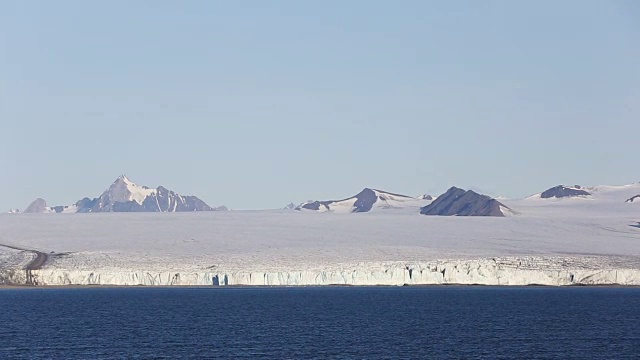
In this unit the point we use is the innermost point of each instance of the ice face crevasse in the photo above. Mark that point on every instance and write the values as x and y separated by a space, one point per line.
495 271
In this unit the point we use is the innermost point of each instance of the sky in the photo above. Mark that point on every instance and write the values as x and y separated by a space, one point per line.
255 104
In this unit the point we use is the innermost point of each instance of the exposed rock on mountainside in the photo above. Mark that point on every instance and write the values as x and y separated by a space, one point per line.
125 196
562 191
38 206
364 201
634 199
459 202
291 206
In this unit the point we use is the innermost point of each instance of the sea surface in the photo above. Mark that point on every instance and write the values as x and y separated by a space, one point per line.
446 322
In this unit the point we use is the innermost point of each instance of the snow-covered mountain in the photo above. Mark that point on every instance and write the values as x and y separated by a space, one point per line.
290 206
597 194
458 202
38 206
562 191
365 201
126 196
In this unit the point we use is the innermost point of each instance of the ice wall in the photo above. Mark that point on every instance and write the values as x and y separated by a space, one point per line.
483 272
12 265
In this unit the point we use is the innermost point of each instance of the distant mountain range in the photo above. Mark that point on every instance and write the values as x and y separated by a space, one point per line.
587 192
365 201
455 201
125 196
460 202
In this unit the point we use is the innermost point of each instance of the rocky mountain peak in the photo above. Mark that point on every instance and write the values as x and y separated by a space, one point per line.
460 202
38 206
562 191
123 195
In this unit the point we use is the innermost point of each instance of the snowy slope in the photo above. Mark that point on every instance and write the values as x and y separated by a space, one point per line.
123 190
614 194
604 199
634 199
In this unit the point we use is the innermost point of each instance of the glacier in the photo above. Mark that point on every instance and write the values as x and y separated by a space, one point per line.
506 271
570 241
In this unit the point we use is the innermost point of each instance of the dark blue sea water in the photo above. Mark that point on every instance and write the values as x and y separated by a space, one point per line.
321 323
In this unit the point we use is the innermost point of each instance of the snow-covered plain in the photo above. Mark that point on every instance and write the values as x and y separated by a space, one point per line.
593 240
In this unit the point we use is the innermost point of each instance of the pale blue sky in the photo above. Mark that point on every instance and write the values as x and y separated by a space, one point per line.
254 104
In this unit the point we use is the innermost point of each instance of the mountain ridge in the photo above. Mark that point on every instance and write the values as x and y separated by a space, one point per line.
364 201
123 195
460 202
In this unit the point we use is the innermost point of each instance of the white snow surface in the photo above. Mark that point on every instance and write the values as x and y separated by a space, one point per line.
133 192
387 200
562 242
342 207
71 209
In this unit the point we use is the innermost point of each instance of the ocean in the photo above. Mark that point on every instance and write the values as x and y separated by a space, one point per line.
439 322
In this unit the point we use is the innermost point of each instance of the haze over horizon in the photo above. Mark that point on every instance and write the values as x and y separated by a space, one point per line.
256 105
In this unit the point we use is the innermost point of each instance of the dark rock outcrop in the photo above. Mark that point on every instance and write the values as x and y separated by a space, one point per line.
314 205
365 200
58 209
85 203
634 199
458 202
562 191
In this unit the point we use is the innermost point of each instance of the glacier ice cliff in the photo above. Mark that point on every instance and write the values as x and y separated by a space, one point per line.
495 271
